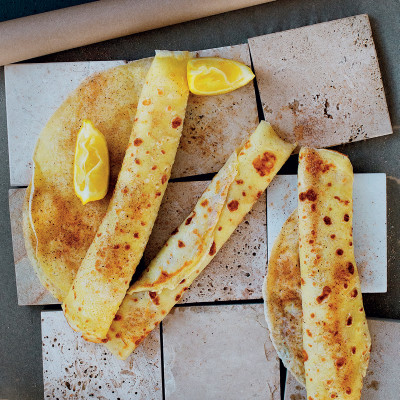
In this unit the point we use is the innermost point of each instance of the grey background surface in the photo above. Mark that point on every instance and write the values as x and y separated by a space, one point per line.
20 337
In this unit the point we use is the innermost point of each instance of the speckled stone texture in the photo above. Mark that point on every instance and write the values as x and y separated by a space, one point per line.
382 379
320 85
236 273
369 223
219 352
76 369
214 125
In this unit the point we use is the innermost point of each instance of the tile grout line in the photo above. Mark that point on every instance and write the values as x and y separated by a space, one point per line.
162 360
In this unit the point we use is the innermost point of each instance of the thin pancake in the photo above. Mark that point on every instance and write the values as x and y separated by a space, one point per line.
58 229
111 260
335 333
282 296
218 212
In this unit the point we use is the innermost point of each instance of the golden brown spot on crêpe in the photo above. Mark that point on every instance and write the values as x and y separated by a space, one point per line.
350 268
204 203
327 220
349 320
177 121
213 249
137 161
354 293
265 163
333 236
117 317
326 291
305 355
339 252
340 362
164 179
233 205
137 142
136 235
346 217
309 195
239 181
146 102
353 349
181 244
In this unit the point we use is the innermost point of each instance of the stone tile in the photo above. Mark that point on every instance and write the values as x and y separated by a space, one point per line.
237 272
369 223
75 369
29 289
214 125
383 376
219 352
320 85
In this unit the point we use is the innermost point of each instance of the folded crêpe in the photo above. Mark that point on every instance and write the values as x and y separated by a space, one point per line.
336 339
282 298
192 246
58 229
111 260
335 346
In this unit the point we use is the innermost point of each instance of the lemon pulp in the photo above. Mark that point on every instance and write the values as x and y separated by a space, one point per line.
212 75
91 164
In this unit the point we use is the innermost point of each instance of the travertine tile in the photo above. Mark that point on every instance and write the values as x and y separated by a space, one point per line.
214 125
76 369
219 352
236 273
383 375
369 223
320 85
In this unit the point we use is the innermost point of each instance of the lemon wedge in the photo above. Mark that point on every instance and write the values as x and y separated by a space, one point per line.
91 164
212 75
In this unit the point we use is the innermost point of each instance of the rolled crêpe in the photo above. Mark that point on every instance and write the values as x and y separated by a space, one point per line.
58 228
111 260
282 298
192 246
336 339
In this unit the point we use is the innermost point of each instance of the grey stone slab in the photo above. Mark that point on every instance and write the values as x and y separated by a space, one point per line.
383 374
76 369
320 85
369 222
219 352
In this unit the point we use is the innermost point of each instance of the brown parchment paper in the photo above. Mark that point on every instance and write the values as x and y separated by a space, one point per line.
54 31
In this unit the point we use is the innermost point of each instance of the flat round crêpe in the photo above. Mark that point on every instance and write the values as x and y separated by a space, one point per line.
58 229
282 297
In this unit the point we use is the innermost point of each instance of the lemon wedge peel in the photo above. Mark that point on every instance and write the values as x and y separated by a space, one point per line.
212 75
91 164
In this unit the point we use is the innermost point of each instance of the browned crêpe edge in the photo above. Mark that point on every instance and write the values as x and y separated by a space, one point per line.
58 229
282 298
336 339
